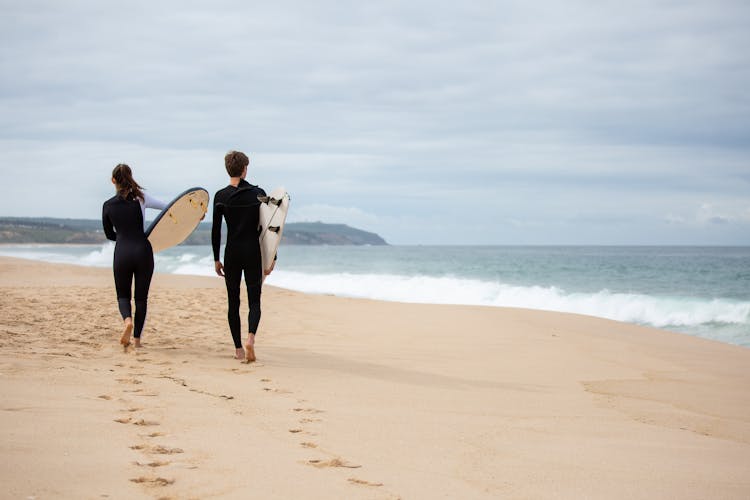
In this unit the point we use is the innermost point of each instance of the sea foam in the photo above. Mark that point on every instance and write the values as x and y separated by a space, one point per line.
726 319
633 308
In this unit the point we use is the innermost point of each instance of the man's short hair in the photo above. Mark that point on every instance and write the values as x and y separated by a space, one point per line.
236 161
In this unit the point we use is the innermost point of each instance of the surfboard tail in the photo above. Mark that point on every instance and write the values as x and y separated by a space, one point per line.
270 200
273 212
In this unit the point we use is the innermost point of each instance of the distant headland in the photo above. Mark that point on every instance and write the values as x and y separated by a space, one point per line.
89 231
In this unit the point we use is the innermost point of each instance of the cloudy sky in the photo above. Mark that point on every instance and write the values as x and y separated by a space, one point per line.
484 122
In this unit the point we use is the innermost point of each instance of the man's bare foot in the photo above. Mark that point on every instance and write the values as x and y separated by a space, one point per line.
250 348
239 353
125 339
137 342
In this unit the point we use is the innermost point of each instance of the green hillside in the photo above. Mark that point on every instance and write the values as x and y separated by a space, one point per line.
89 231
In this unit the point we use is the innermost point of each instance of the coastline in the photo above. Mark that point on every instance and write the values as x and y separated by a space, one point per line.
356 398
698 294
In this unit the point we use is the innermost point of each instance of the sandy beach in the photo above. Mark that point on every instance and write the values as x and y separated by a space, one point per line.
355 399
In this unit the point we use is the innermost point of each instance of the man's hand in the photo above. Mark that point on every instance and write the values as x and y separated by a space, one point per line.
219 268
268 271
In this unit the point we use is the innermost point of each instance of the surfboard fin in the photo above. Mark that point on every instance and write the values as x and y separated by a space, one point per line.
195 204
269 200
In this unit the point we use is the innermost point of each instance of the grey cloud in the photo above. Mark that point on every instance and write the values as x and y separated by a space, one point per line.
532 106
718 220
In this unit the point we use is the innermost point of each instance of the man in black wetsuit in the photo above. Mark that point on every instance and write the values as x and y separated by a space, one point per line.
238 204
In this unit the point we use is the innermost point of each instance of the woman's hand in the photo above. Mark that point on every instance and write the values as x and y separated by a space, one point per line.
219 268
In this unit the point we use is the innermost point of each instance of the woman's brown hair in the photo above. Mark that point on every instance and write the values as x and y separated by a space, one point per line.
127 188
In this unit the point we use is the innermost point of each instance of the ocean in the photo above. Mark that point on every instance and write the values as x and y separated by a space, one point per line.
703 291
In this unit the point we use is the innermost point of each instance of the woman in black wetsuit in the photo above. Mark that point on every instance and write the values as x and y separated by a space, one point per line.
123 218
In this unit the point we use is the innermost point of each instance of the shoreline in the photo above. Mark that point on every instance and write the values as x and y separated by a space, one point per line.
355 398
732 333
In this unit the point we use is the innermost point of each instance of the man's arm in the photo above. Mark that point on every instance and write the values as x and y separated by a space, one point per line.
270 269
216 237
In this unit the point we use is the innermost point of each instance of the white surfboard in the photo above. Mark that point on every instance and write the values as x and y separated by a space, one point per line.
273 210
176 222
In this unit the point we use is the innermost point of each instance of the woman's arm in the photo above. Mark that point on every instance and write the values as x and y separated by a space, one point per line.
151 202
109 229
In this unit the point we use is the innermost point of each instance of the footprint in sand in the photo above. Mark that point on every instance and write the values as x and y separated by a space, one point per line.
309 420
145 422
277 391
334 462
153 481
362 482
307 410
155 463
165 450
156 450
129 381
295 431
106 397
123 420
132 409
307 444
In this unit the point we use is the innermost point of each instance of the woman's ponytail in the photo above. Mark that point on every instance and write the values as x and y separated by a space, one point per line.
127 188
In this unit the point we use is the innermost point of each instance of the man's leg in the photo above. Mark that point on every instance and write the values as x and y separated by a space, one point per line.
253 315
253 319
232 278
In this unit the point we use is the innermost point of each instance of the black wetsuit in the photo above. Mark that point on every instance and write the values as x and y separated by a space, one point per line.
123 223
241 209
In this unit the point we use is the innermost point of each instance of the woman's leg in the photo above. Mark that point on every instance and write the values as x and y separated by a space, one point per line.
123 281
143 274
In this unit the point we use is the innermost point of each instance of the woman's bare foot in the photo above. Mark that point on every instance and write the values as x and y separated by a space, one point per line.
125 339
239 353
137 342
250 348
